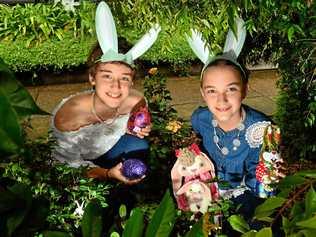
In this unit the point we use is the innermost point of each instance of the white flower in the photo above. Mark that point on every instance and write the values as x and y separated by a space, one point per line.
79 210
69 5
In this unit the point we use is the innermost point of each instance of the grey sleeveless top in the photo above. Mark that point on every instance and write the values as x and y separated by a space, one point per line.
78 148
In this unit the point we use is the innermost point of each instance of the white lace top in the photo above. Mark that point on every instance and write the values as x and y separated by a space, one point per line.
79 147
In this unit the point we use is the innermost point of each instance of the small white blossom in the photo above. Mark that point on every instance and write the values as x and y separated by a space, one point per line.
79 210
69 5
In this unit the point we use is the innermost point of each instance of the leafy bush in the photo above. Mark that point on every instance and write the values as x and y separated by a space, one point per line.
50 54
36 193
294 204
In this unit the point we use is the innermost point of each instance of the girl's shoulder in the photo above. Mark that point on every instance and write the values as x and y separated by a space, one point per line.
253 115
202 114
72 113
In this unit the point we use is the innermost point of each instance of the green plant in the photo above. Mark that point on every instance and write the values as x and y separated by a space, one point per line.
168 131
294 204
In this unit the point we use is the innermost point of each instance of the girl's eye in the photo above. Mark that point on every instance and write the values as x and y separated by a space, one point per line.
211 91
201 164
183 168
232 89
107 76
126 79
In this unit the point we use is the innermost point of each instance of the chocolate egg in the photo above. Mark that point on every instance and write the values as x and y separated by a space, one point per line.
133 168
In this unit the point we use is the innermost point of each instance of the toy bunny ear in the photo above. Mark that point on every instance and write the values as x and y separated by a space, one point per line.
233 44
105 28
199 46
176 177
145 42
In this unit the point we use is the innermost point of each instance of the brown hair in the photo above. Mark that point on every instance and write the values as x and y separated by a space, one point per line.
244 76
93 62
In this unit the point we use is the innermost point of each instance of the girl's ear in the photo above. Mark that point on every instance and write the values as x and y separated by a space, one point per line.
92 80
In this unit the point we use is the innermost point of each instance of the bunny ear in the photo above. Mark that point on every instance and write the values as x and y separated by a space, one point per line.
235 44
145 42
176 177
199 46
105 28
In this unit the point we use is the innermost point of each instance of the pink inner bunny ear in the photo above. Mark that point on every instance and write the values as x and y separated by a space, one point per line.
195 148
178 152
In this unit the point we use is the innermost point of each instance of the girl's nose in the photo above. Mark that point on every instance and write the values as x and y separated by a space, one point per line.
221 97
116 83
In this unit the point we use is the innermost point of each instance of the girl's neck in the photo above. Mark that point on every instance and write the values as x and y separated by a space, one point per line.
101 110
233 123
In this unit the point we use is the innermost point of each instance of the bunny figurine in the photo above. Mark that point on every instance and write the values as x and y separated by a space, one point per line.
192 165
267 171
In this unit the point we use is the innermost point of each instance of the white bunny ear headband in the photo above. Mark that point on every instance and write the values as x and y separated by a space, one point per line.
232 47
107 38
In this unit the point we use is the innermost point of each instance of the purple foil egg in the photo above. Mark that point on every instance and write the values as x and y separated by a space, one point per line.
133 168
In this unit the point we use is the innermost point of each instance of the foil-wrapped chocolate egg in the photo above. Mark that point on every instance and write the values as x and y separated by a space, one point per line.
133 169
139 120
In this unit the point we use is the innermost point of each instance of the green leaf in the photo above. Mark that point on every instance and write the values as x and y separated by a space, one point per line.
290 33
19 97
196 230
16 217
10 130
265 232
55 234
308 233
163 219
310 203
135 224
308 173
309 223
9 201
122 211
286 224
238 223
269 206
92 220
290 181
251 233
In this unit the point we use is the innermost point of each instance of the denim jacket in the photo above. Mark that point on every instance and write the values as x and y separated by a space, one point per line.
238 166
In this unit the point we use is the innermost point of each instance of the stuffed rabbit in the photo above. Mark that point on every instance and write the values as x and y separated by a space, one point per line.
192 165
196 196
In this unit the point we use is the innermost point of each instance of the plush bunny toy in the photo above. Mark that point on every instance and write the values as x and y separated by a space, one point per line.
195 196
267 171
192 165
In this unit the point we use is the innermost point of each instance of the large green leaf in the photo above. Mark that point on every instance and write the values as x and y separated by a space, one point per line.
308 173
55 234
309 223
196 230
9 201
265 232
10 130
19 97
163 219
310 203
135 224
268 207
238 223
307 233
290 181
251 233
16 217
92 220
